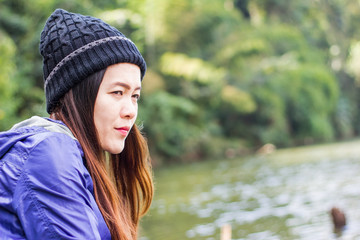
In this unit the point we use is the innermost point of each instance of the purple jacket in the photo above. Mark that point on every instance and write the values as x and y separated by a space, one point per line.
46 191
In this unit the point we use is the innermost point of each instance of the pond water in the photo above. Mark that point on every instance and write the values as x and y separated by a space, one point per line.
285 195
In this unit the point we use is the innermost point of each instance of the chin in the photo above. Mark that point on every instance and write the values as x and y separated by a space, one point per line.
115 149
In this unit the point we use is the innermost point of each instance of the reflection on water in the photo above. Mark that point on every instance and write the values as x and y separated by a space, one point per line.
281 202
303 194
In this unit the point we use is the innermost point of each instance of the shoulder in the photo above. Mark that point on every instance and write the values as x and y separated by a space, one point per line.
55 190
48 158
24 140
38 145
56 154
53 143
31 150
48 141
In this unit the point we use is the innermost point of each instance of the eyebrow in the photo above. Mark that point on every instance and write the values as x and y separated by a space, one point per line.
127 86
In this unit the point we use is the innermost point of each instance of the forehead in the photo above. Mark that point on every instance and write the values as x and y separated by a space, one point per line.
123 73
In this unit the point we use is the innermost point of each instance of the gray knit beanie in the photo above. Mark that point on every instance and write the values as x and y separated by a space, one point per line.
74 46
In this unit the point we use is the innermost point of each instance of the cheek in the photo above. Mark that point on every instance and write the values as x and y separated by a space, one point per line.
136 112
135 117
98 124
99 117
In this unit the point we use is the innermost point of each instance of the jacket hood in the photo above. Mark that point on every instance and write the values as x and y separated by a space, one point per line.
28 128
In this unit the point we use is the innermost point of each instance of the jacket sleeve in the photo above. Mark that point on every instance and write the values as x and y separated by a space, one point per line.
52 199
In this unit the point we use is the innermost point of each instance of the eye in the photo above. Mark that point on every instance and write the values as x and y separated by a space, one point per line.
118 93
136 96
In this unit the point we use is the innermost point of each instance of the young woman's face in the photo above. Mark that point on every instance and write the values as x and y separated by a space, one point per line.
116 105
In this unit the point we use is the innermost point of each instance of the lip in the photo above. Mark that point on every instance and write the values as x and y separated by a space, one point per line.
123 130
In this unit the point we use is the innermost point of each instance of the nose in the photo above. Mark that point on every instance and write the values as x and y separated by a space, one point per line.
128 109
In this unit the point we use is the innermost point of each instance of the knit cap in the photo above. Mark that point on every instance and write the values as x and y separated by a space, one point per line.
75 46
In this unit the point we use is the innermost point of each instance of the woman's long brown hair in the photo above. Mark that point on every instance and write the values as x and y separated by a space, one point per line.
123 185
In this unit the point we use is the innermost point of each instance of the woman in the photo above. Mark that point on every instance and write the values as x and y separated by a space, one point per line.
84 172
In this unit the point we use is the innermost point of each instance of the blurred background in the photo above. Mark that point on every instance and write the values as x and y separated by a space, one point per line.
232 87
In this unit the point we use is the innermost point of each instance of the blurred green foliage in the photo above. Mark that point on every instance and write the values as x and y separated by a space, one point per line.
222 76
7 84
